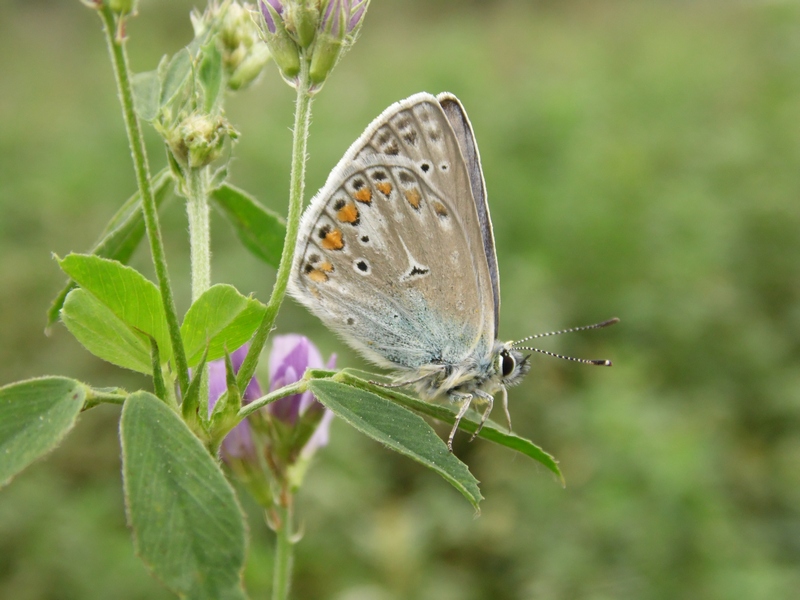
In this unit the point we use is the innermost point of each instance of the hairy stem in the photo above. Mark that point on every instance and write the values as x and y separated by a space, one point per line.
289 390
302 118
284 547
200 245
199 231
119 59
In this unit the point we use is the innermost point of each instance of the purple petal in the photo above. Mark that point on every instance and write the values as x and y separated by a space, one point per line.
277 6
288 408
238 356
291 355
239 442
216 382
295 351
321 435
332 15
356 17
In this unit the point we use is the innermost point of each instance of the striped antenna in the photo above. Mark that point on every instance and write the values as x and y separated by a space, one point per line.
597 362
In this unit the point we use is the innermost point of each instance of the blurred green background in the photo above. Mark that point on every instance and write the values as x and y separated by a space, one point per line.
642 162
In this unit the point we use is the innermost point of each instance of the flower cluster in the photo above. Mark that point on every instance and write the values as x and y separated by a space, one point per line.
314 32
244 53
273 446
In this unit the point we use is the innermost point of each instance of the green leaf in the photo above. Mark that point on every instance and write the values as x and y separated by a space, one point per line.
210 75
399 429
491 431
126 292
122 235
174 75
34 417
260 230
220 318
187 524
104 334
146 94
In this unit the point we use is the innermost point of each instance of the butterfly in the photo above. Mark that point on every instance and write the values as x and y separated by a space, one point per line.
396 254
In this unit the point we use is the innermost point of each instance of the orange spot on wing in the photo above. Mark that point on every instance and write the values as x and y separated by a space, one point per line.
317 276
363 195
440 209
384 188
333 240
413 196
326 267
348 213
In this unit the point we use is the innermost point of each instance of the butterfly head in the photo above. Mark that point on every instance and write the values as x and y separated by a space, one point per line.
510 364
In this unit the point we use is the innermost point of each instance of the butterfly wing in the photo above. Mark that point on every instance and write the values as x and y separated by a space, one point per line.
391 251
462 128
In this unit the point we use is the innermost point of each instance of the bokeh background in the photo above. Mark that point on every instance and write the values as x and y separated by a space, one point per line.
642 162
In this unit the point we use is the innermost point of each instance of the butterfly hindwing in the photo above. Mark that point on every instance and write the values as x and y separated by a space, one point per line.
391 251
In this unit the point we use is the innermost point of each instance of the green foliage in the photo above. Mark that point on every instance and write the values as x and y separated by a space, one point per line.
490 431
261 230
186 521
210 76
34 416
398 429
219 319
174 75
640 160
114 297
104 334
121 236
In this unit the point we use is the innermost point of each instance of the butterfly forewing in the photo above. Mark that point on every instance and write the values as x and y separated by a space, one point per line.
462 128
391 253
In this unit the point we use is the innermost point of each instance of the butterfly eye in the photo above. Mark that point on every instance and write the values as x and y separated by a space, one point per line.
508 363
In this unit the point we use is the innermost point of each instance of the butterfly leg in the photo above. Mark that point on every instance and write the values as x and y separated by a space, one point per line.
465 400
504 391
489 399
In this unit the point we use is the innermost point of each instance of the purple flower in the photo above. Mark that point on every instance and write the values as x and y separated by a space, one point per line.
239 441
351 11
291 355
275 4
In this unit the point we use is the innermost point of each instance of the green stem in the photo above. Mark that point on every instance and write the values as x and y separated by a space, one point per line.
199 233
200 245
302 118
109 396
284 547
295 388
119 59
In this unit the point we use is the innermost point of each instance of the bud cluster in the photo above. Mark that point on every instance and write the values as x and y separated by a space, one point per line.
198 140
314 32
244 53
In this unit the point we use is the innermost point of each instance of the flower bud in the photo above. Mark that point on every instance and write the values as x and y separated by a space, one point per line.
339 26
243 52
282 46
123 7
302 18
198 139
291 355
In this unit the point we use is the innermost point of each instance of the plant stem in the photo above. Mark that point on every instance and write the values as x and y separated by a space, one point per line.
200 245
199 233
119 59
284 547
289 390
302 118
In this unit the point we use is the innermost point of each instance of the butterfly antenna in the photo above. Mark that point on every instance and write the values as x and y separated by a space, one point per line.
597 362
583 328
